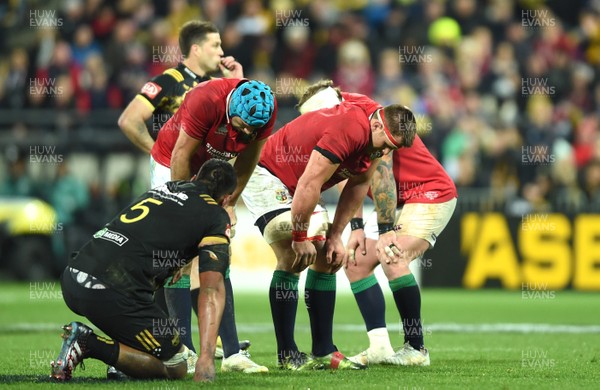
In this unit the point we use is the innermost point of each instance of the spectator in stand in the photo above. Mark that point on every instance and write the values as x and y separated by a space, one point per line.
16 84
354 72
96 92
389 77
18 182
591 184
84 44
296 54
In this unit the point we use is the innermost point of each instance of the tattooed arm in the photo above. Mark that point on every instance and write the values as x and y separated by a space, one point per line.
383 188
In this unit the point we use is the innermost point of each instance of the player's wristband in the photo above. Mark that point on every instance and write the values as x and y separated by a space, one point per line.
357 223
299 235
385 227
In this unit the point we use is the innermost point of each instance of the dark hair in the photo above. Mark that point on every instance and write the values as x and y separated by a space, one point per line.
218 176
194 32
401 122
312 89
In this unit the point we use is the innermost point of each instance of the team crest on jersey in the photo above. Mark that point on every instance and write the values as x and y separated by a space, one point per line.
151 89
109 235
281 196
432 194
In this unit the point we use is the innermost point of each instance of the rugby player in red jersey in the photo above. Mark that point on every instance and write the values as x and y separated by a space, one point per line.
304 158
223 119
414 199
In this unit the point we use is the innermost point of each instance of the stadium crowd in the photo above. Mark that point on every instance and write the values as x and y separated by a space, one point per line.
507 93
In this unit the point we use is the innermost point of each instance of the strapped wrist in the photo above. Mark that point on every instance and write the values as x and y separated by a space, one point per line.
385 227
357 223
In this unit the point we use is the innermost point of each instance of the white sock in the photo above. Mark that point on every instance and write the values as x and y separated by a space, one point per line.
379 339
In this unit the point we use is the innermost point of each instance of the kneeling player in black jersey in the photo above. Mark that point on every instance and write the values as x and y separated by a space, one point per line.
111 281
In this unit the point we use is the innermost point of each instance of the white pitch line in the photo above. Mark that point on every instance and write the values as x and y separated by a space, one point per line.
250 328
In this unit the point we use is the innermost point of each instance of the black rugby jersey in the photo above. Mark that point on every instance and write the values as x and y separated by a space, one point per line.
165 92
153 237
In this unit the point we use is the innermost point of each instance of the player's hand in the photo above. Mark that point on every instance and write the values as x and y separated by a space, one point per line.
336 254
205 371
176 276
388 248
231 68
356 242
232 218
306 254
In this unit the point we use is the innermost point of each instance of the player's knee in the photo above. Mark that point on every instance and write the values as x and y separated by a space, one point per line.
176 363
356 272
365 264
172 352
322 266
395 270
279 228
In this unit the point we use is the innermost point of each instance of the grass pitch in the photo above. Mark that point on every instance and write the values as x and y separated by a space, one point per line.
477 340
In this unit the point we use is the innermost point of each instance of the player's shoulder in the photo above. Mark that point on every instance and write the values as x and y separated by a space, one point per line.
223 85
214 213
158 85
212 93
349 116
173 74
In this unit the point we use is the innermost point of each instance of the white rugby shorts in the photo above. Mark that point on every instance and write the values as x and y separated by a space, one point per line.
422 220
159 174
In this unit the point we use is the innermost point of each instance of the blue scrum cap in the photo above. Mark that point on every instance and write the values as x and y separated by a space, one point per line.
253 102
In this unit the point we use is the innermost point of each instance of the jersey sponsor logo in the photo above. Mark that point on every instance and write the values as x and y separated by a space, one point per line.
109 235
220 154
163 191
151 89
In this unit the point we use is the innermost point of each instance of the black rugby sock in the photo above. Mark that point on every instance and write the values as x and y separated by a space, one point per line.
283 297
370 300
408 301
103 349
227 329
179 302
320 302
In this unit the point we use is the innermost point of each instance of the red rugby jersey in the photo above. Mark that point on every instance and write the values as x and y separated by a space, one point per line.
340 133
366 103
420 178
203 115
